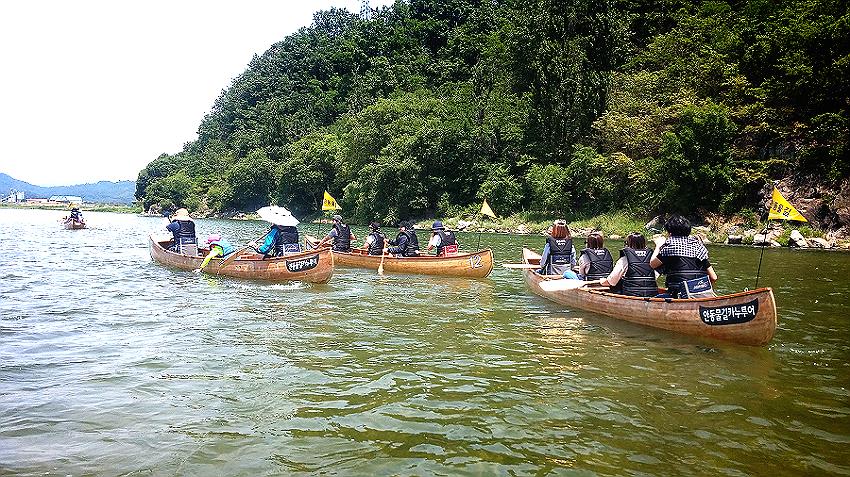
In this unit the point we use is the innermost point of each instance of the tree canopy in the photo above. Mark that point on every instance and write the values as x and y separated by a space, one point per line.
569 107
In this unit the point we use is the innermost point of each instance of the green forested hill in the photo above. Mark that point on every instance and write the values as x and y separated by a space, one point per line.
568 107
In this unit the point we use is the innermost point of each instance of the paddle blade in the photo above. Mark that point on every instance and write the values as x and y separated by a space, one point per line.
562 284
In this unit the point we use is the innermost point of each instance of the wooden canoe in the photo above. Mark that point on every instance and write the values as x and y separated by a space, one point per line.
747 318
470 265
315 266
72 224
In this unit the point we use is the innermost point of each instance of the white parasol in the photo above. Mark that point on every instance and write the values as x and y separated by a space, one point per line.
277 215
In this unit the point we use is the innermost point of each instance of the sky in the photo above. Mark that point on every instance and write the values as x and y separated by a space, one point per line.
94 90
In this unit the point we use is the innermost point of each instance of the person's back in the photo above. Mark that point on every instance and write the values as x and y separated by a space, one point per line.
443 240
596 259
413 241
182 228
342 238
375 241
406 244
681 257
558 254
639 277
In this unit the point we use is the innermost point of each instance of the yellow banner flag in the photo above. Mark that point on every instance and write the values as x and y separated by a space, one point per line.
486 210
780 209
329 203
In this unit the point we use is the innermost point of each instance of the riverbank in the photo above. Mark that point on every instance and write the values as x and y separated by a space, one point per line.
118 208
741 229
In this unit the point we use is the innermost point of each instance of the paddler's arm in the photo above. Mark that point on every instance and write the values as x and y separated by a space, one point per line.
215 251
712 275
616 274
656 262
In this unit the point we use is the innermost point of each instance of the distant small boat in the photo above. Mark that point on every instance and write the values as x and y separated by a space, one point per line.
314 266
470 265
747 318
74 224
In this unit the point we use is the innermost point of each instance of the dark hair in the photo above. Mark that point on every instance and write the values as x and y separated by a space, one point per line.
560 230
636 240
594 240
678 226
405 224
375 225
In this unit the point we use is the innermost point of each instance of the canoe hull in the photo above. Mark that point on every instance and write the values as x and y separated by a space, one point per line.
313 266
470 265
747 318
71 224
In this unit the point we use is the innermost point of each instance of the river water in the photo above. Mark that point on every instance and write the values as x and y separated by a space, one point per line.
111 364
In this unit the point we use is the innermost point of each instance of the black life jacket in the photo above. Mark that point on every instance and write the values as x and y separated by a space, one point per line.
639 279
342 242
286 240
679 269
446 238
412 244
601 263
186 232
377 245
560 253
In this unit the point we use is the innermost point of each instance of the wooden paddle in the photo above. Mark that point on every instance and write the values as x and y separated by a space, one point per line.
381 266
563 284
235 254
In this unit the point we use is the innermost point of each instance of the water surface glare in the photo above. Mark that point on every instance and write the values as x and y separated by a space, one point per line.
111 364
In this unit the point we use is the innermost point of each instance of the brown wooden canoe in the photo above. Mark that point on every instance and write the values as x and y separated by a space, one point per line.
315 266
747 318
72 224
471 265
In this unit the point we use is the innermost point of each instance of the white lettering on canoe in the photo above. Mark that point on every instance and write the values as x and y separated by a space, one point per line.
729 315
475 261
302 264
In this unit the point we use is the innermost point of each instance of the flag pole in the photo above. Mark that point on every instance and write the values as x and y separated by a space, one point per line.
763 243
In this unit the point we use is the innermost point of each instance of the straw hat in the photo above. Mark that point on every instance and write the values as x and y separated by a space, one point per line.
182 214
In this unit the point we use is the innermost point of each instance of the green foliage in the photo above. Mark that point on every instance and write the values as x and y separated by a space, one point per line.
570 108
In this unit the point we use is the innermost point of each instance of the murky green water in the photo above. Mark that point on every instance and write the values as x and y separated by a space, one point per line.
111 364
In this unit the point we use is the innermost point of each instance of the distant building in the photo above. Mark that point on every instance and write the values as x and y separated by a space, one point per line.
15 196
36 201
65 199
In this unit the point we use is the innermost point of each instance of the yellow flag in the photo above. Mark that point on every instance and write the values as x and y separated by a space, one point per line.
329 203
486 210
782 210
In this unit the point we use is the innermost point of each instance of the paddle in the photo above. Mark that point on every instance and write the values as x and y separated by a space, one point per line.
381 266
235 254
562 284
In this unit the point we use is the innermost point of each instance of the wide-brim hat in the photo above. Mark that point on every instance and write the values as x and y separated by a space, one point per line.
278 216
437 225
182 214
338 218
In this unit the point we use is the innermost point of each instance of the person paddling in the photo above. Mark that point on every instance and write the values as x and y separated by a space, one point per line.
406 244
182 227
218 248
340 236
375 241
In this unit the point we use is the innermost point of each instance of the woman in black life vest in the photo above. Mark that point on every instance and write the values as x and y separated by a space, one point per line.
632 274
595 261
559 254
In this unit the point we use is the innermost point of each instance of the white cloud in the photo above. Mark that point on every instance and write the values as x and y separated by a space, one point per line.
95 90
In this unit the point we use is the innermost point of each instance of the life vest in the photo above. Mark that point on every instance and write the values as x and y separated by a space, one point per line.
448 243
560 256
226 247
287 240
377 245
601 263
342 241
639 279
679 269
412 244
186 232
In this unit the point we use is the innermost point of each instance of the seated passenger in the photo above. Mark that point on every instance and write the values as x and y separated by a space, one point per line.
595 261
406 244
182 227
218 248
280 240
340 236
375 241
681 257
632 274
559 253
443 240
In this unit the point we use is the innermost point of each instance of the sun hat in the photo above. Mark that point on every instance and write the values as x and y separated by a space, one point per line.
374 226
437 225
338 218
182 214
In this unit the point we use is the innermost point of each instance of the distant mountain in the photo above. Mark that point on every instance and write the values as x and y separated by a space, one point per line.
121 192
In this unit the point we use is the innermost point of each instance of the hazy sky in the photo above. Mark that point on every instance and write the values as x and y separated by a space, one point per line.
95 90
